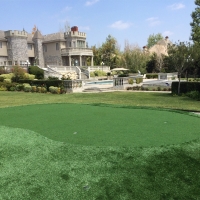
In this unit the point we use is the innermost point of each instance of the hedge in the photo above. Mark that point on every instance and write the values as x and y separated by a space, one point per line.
185 87
47 83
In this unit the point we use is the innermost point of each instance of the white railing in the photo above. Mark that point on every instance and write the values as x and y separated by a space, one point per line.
74 51
99 68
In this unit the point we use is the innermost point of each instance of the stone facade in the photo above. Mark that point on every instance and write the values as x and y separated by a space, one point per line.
17 50
39 57
68 49
53 60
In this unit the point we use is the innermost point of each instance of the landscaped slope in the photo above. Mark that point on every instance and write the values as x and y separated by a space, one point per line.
34 167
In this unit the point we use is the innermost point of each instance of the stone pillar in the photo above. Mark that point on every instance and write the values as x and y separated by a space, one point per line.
70 61
92 64
80 60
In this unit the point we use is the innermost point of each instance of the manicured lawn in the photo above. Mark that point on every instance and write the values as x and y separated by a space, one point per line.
103 125
126 165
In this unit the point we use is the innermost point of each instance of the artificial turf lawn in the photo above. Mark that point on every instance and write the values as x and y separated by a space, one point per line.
33 167
103 125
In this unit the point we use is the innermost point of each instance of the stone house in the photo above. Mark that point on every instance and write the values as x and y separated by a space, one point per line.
58 49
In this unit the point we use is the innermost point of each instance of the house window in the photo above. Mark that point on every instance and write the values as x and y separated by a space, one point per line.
5 63
29 46
74 44
70 44
9 62
45 48
15 62
0 44
57 46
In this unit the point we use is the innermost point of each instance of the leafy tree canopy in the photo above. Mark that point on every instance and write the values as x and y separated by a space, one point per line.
153 39
195 24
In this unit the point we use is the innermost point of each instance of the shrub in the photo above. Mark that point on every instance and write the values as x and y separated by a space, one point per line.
39 73
194 95
52 78
99 73
43 90
27 88
139 80
18 72
1 79
20 87
130 81
7 76
29 76
7 80
39 89
54 90
92 74
149 76
34 88
185 87
13 88
7 85
159 88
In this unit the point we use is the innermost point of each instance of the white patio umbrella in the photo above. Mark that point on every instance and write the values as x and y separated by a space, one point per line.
119 69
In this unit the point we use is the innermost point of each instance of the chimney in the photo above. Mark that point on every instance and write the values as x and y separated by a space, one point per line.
74 28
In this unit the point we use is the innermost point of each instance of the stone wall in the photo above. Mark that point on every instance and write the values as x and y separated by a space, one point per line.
53 60
39 56
17 49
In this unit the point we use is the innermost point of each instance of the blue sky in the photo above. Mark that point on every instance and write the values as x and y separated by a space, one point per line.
130 20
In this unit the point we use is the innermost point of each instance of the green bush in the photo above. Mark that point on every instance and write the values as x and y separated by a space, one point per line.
39 73
43 83
1 79
29 76
7 85
100 73
27 88
185 87
54 90
130 81
52 78
20 87
33 88
150 76
7 80
39 89
194 95
159 88
43 90
7 76
92 74
139 80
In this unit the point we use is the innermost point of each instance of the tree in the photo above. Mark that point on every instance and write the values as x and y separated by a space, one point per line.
109 52
195 24
153 39
18 72
134 58
179 54
39 73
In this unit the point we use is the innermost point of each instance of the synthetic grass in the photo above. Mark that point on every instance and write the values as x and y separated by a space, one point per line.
33 167
104 125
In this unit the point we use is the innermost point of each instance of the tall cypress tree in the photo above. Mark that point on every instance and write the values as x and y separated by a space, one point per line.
195 34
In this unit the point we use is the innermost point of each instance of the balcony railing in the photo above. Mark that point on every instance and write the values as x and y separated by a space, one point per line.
77 51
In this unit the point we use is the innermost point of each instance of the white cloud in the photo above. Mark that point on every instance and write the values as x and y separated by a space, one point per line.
153 21
167 33
120 25
176 6
87 28
89 3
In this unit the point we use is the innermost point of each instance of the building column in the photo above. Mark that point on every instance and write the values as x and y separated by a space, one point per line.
92 63
80 61
70 61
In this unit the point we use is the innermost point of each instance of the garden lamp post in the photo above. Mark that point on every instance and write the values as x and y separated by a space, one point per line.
102 63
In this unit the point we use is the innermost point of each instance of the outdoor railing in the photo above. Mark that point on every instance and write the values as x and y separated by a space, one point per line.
73 50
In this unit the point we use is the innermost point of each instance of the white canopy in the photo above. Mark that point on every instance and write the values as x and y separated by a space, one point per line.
119 69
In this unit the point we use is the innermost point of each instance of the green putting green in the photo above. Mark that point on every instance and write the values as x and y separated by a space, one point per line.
103 125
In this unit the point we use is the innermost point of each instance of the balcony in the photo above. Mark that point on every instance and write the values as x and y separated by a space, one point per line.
71 51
